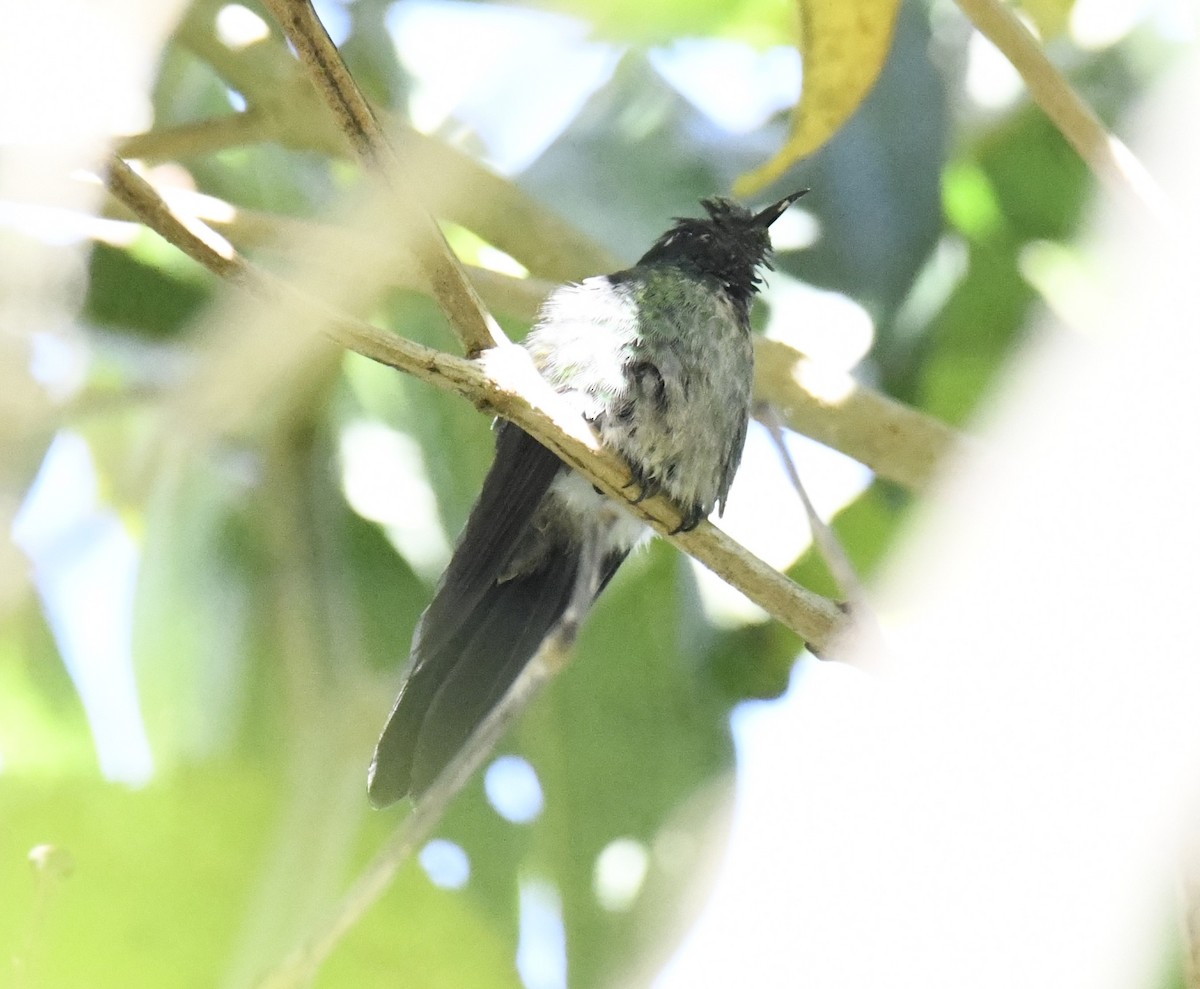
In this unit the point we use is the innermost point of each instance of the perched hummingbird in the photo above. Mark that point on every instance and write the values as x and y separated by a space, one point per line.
659 359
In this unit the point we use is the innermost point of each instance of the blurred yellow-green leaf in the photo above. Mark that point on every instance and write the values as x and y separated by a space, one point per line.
843 44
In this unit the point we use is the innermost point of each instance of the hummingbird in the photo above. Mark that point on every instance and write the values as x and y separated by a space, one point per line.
658 358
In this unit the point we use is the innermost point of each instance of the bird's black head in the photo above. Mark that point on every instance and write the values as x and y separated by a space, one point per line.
729 245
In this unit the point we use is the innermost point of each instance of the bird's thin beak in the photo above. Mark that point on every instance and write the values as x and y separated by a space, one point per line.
775 211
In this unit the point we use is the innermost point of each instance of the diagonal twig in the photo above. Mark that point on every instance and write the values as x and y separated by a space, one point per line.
192 236
865 629
827 542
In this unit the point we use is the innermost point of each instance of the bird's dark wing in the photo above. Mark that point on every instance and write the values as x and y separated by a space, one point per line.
733 457
466 636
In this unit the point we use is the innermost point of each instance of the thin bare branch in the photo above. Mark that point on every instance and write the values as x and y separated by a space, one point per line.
196 239
333 81
826 540
866 624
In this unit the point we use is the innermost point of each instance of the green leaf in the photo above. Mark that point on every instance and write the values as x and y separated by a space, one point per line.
129 293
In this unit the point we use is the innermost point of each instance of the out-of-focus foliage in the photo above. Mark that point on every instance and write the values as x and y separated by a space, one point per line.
280 571
759 22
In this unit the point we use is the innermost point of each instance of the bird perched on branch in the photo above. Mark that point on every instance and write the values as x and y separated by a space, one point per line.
658 358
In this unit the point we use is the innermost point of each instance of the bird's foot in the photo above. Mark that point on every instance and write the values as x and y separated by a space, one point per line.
692 517
647 484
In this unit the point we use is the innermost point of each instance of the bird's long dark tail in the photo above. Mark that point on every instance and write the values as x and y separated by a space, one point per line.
479 631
